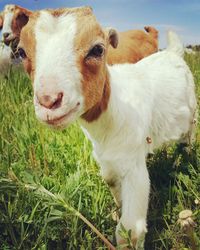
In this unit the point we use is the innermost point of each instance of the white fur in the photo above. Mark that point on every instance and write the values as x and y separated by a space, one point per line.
5 60
8 16
153 98
56 59
174 43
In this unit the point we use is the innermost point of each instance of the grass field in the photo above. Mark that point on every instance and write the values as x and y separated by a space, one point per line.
47 176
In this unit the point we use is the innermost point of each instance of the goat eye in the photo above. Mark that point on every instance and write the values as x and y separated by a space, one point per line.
96 51
22 53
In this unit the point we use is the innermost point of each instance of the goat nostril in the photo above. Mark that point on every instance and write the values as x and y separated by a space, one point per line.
57 102
60 96
50 102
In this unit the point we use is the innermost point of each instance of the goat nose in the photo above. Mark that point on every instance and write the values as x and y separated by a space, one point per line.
6 35
51 101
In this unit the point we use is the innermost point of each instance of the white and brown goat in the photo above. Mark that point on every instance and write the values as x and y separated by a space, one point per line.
10 30
12 19
119 107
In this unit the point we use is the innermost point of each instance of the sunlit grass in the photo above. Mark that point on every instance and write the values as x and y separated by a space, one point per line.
62 163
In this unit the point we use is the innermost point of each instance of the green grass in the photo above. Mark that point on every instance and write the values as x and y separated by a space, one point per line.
35 158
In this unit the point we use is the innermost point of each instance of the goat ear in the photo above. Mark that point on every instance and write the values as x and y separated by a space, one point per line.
1 21
113 37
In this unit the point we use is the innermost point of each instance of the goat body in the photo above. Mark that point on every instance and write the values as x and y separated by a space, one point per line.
153 98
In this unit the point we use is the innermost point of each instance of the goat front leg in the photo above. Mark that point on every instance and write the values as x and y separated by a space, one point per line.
135 188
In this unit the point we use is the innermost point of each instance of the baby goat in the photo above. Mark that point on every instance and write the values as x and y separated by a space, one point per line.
134 44
119 107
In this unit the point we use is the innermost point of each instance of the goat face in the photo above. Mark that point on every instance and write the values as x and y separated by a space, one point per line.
12 19
6 23
64 51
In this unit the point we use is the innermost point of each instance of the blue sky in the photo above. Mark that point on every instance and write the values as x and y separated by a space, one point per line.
183 16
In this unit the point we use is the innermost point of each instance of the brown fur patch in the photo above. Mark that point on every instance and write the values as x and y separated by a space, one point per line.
94 113
20 19
95 78
28 43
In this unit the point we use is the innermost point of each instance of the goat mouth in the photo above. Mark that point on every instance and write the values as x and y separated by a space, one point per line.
7 42
13 44
59 120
